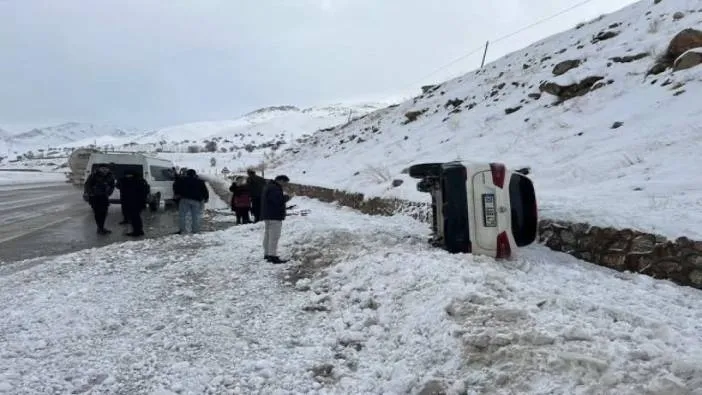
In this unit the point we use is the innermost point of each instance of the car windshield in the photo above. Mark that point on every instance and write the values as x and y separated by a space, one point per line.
118 170
524 216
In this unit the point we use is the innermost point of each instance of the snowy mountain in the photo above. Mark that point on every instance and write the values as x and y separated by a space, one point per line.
62 134
264 127
598 112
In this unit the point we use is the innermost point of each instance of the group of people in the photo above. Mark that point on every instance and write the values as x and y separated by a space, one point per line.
264 200
189 191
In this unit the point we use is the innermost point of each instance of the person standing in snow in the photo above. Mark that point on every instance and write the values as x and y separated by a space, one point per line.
125 217
97 191
256 185
192 194
134 192
241 201
273 202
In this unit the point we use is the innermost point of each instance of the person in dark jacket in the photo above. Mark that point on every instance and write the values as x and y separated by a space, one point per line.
192 194
241 201
256 185
273 202
134 192
97 191
125 217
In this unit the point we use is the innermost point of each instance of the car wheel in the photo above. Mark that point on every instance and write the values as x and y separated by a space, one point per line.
155 203
423 170
426 185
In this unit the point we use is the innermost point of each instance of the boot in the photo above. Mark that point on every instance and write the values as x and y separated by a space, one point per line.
276 260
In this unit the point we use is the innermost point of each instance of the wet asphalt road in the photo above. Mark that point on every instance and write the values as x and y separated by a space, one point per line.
52 219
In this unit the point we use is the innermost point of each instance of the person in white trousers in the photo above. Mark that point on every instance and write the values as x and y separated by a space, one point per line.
273 201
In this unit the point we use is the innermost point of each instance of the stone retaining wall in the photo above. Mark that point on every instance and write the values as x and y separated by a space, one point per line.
621 249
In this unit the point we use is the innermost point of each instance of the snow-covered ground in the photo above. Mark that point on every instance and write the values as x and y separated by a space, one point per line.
642 173
372 310
30 177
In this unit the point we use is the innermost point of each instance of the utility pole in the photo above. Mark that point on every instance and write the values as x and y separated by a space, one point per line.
484 54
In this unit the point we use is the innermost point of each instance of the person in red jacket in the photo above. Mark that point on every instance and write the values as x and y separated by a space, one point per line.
241 201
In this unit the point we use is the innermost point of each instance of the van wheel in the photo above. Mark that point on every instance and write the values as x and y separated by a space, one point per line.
155 203
423 170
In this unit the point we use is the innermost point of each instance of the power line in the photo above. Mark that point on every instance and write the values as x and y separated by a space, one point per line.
571 8
482 47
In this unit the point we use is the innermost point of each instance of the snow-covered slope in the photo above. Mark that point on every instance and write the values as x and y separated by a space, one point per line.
262 126
266 125
70 132
365 307
624 154
235 144
4 142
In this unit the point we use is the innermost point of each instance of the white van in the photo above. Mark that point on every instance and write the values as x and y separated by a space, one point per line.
158 173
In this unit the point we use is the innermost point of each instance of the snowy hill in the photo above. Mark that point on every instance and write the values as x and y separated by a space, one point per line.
4 139
235 144
607 141
62 134
266 125
262 128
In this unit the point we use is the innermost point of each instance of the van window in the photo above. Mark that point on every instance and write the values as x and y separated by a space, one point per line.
162 173
522 199
118 170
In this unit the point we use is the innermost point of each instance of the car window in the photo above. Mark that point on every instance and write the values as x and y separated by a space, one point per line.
162 173
118 170
522 200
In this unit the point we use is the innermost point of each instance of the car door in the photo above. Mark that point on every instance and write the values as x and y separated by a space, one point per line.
486 200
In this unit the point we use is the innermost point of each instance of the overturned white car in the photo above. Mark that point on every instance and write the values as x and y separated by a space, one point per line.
479 208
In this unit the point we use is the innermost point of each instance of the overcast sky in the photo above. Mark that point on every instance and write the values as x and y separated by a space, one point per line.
151 63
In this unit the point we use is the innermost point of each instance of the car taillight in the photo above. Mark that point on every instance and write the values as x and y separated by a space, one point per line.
503 249
498 174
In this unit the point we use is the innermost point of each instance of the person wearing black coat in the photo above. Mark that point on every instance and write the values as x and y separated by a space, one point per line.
273 202
192 194
97 191
255 184
134 193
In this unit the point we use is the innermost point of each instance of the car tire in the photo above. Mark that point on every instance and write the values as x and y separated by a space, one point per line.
425 186
423 170
155 203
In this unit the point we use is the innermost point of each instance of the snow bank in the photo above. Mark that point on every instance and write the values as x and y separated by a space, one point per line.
215 202
366 307
30 177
